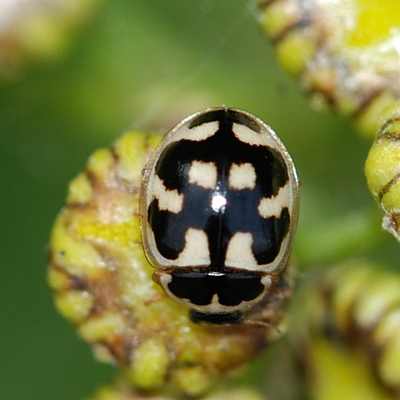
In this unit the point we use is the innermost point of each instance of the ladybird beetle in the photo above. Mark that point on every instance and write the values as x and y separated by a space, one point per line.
218 207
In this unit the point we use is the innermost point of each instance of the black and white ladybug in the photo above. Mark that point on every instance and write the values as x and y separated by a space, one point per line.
219 206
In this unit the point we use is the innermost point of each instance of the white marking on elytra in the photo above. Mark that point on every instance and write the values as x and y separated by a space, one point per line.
263 138
247 135
204 131
217 202
273 206
196 134
196 251
203 174
168 200
239 253
242 176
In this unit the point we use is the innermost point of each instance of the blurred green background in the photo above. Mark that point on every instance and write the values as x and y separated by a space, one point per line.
147 64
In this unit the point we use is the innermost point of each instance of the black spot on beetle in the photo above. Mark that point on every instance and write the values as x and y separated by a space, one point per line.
231 287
